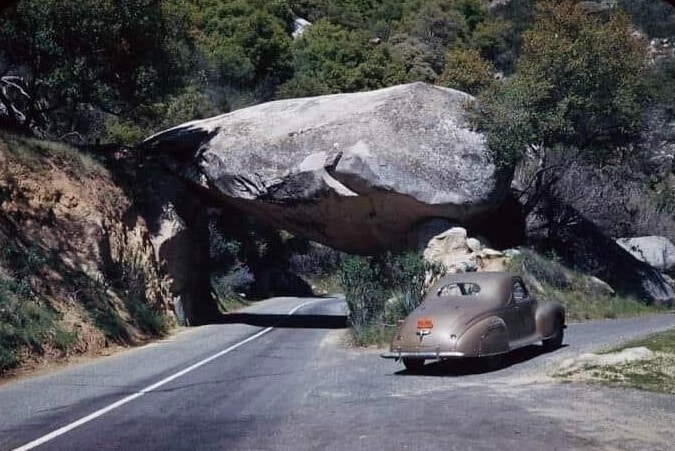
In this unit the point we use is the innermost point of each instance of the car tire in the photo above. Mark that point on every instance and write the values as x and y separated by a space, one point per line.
554 342
413 364
494 362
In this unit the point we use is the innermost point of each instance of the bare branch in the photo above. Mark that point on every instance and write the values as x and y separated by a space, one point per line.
14 82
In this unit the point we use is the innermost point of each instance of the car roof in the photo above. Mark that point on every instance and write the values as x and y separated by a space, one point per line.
478 276
494 285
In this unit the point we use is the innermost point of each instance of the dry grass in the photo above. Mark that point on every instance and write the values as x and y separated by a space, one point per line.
655 373
582 299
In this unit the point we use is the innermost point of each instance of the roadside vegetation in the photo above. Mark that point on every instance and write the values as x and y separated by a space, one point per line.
652 370
381 291
26 322
584 297
57 300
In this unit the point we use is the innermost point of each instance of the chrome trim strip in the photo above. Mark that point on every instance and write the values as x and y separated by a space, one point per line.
422 355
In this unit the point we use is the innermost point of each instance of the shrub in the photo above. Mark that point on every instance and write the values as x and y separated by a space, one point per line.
466 71
129 278
24 323
317 261
581 298
379 291
365 294
229 286
546 270
410 277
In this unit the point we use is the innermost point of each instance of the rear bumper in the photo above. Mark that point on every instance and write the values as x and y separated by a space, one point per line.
427 355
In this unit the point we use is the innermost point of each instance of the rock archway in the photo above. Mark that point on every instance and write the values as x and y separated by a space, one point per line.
358 172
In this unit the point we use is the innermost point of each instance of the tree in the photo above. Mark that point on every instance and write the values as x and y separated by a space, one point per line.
330 59
60 59
439 26
497 43
247 43
575 104
466 71
580 85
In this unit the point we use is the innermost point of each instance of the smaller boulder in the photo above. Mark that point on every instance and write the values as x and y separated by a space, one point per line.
656 251
460 253
300 25
474 245
599 287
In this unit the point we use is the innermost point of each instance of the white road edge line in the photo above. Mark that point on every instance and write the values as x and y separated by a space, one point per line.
69 427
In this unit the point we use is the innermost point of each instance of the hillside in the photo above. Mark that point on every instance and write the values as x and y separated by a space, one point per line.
77 271
574 100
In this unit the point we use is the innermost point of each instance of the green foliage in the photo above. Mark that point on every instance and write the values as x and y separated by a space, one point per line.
229 287
246 44
314 260
62 57
129 278
187 105
381 291
652 374
364 290
27 323
662 84
497 42
466 71
580 84
31 152
582 298
546 269
410 275
329 59
658 342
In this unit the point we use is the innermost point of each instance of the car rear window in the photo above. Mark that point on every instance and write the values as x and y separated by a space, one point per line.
459 289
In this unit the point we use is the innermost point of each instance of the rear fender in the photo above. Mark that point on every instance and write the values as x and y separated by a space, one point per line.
545 318
487 337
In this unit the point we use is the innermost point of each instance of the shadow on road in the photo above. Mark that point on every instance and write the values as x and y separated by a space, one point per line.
469 366
285 321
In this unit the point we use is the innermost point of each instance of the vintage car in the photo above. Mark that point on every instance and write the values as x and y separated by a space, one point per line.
481 314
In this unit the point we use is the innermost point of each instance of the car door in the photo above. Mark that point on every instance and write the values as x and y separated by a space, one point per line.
525 307
511 316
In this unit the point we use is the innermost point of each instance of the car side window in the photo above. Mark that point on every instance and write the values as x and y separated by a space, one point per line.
459 289
519 291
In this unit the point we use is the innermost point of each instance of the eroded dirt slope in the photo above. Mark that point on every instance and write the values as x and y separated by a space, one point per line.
77 270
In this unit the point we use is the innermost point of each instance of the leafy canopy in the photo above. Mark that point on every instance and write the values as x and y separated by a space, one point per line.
246 41
330 59
56 57
580 84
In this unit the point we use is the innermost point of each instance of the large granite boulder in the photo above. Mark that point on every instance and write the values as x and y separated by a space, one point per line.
358 172
657 251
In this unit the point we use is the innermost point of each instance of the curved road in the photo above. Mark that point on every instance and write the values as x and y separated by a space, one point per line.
268 381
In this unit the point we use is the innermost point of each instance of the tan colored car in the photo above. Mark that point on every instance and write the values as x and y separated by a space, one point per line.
485 314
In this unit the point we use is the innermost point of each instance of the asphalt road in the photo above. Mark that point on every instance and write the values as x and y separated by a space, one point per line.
266 381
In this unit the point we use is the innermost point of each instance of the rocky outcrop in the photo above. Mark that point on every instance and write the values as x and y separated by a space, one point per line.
358 172
459 253
657 251
180 237
583 246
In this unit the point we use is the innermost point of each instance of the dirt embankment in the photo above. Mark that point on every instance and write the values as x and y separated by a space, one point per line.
77 270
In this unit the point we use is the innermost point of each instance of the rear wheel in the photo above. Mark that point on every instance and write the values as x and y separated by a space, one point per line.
494 362
413 364
555 341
